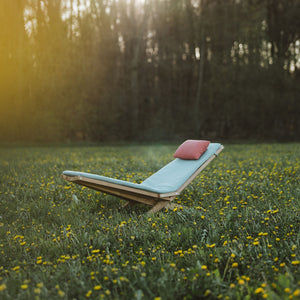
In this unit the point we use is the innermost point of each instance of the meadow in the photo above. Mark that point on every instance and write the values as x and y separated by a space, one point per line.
236 235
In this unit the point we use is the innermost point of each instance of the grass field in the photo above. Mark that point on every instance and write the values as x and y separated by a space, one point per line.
238 238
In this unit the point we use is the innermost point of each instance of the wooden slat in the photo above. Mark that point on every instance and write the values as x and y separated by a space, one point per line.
110 185
121 194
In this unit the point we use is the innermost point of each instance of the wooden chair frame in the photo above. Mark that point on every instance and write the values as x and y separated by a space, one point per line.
132 195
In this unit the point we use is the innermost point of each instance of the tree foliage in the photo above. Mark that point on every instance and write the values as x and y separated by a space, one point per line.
159 69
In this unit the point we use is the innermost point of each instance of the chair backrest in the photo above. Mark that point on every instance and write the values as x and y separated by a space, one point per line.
172 176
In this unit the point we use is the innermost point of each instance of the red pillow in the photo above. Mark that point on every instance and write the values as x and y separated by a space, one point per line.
191 149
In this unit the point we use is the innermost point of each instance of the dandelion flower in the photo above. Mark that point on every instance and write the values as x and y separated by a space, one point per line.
88 294
296 293
259 290
2 287
61 293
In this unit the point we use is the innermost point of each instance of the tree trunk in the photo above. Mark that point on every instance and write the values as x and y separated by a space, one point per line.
198 117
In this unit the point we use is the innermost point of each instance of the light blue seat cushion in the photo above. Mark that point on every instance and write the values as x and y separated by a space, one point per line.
167 180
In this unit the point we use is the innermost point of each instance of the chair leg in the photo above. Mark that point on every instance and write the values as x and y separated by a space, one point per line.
174 205
164 204
128 204
158 206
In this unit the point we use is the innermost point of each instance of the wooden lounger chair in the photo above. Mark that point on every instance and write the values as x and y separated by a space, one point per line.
159 189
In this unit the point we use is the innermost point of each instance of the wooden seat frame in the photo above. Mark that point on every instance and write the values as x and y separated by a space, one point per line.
132 195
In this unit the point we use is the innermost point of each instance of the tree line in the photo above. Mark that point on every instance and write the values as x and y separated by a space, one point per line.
102 70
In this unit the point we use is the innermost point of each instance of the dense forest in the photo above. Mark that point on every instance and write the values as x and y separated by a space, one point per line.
104 70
